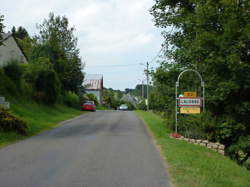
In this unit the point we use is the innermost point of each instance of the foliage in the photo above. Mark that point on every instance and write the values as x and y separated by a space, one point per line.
92 97
111 98
20 33
142 105
7 86
71 100
130 105
43 80
9 122
213 38
46 87
15 72
39 117
1 27
59 44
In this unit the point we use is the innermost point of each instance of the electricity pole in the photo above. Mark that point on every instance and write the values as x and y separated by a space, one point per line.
142 90
147 88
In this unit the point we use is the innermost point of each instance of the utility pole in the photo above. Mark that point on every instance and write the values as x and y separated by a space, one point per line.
147 88
142 90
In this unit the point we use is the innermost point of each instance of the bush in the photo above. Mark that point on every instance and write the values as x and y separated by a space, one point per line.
196 126
142 105
15 72
92 97
7 86
47 87
9 122
71 100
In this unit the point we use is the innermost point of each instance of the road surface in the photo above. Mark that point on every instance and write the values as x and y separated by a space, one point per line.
101 149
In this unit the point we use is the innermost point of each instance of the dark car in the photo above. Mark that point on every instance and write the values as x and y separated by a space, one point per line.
89 106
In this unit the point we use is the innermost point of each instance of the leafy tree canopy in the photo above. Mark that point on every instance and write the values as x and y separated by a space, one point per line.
1 26
212 37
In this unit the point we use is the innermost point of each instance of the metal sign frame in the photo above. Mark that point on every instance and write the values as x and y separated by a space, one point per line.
176 93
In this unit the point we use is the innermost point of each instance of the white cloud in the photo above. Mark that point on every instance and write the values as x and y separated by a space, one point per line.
109 31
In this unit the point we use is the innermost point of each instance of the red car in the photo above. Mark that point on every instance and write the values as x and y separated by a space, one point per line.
89 106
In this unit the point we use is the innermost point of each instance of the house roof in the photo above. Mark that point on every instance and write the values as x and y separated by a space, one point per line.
129 98
6 36
93 82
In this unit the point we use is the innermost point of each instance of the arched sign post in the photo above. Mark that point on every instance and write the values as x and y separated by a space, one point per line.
189 101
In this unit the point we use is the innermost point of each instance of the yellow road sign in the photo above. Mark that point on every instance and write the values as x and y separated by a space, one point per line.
187 110
190 94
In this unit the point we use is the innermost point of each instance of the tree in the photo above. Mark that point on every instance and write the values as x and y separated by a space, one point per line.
20 33
59 44
92 97
1 27
43 80
213 38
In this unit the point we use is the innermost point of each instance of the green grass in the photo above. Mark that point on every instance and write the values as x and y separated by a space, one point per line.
38 117
102 107
193 165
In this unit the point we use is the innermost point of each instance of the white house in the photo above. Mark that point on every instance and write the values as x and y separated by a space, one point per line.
93 83
10 50
129 98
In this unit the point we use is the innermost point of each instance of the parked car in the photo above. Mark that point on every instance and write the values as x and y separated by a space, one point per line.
89 106
123 107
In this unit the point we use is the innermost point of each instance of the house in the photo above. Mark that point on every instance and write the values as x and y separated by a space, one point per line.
131 99
10 50
93 84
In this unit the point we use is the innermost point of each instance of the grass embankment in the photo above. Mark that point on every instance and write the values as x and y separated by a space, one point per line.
102 107
193 165
38 118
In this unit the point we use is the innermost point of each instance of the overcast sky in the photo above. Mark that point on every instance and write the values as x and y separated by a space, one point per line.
110 32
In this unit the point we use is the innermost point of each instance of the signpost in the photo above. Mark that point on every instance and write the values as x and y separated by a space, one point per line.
190 103
187 101
190 110
190 94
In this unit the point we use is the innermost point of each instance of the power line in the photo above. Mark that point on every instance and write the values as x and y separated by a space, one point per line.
158 54
113 65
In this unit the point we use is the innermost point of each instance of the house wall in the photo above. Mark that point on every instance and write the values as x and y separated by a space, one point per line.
97 93
9 50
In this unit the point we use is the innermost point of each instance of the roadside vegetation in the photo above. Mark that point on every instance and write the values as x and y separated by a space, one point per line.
46 90
193 165
211 37
37 117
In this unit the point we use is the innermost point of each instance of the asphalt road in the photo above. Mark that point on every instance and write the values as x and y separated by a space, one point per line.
101 149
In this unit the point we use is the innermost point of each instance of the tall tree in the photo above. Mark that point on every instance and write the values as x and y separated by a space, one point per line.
60 45
213 37
1 27
20 33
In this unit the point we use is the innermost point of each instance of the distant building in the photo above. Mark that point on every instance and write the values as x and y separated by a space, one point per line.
93 83
10 50
131 99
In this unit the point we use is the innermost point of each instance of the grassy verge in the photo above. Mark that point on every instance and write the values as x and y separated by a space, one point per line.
193 165
39 118
102 107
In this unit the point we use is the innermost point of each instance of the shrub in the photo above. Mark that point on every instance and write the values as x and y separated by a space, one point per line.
92 97
196 126
7 86
71 100
142 105
47 87
15 72
9 122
